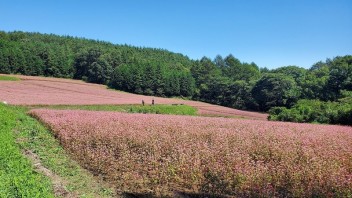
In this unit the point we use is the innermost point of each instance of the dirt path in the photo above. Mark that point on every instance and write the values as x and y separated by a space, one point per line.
58 183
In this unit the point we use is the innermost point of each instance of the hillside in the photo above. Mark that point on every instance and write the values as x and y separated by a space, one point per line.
288 93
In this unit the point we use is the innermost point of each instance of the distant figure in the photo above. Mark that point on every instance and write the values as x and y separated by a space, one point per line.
143 102
153 101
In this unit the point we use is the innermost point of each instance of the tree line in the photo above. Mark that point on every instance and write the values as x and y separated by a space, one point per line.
146 70
224 80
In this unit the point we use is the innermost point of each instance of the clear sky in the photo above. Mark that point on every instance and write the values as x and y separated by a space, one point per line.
271 33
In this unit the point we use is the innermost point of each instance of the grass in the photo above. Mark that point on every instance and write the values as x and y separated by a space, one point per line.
153 109
8 78
17 178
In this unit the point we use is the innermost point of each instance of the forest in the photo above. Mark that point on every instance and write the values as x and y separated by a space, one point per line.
322 93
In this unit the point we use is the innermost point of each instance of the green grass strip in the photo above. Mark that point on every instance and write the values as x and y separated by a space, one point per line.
8 78
152 109
17 177
32 135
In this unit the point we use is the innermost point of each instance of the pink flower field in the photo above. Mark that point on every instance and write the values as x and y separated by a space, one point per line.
162 154
54 91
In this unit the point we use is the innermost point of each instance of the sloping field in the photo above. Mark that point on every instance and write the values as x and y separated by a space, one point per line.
142 153
54 91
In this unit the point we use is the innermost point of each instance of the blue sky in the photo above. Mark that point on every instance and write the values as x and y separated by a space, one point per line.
271 33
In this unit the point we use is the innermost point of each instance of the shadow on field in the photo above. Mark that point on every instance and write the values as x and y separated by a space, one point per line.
176 195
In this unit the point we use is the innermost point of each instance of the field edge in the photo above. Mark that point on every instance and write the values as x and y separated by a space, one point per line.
32 137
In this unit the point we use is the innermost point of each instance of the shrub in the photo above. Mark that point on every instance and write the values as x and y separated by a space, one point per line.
315 111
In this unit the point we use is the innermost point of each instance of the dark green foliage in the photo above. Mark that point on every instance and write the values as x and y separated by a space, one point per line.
297 73
225 82
275 90
241 96
315 111
313 86
328 87
153 79
340 76
204 70
236 70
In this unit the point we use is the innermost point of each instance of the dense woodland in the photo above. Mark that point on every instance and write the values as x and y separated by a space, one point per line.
321 93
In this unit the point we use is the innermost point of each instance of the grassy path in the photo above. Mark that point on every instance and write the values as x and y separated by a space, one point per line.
147 109
17 177
20 176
